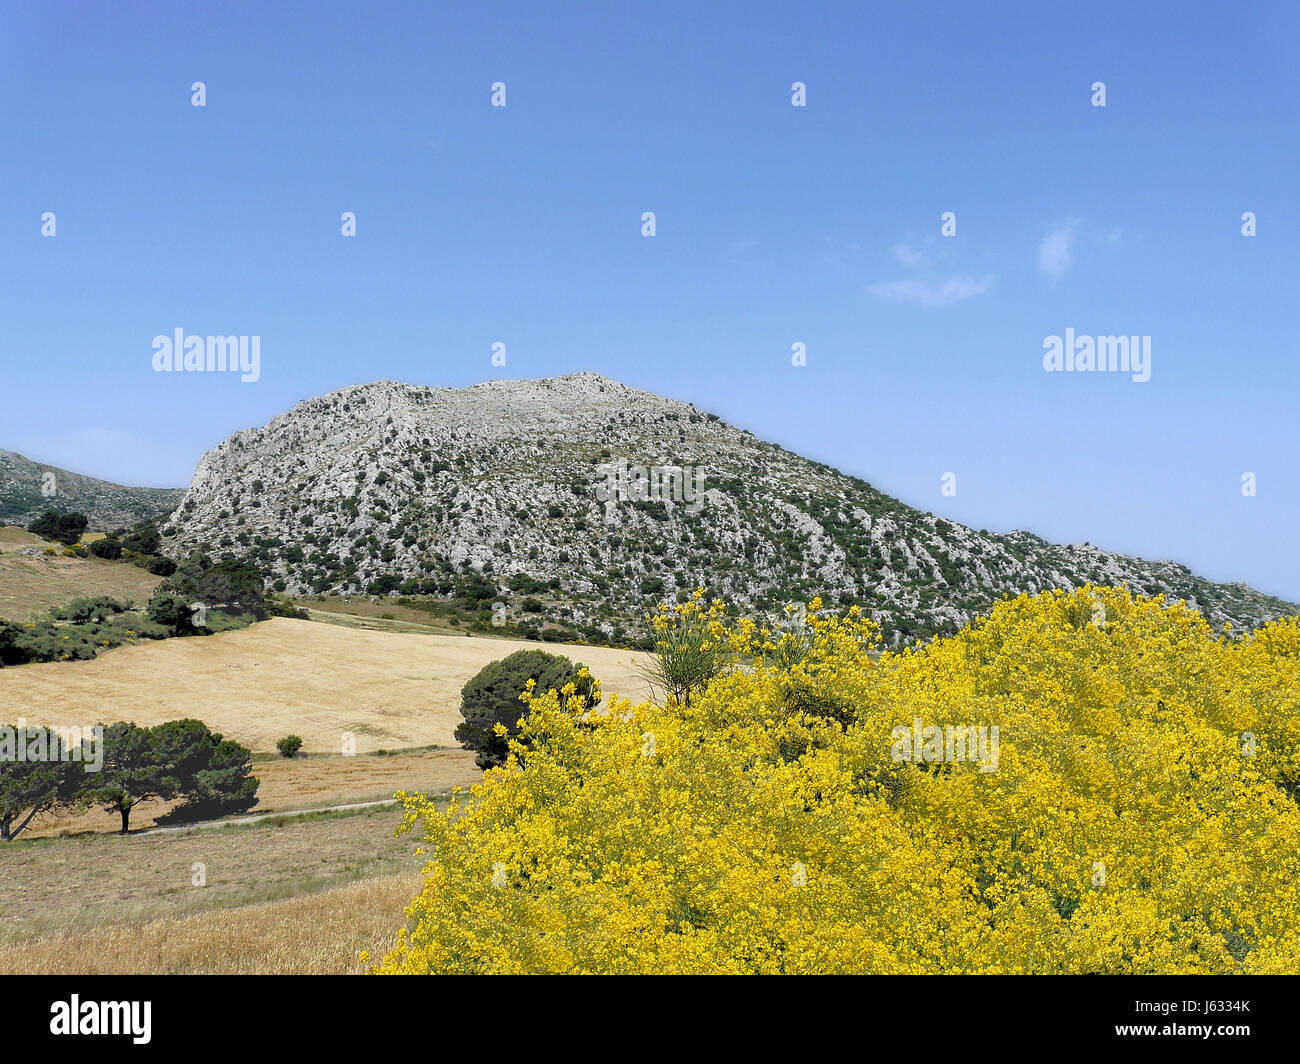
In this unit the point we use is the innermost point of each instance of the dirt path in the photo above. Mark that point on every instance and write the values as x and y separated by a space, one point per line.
204 825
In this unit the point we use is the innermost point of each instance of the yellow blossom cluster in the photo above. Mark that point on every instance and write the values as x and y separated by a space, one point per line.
1139 814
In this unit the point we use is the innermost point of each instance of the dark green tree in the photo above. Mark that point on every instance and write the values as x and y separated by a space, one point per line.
11 651
143 538
44 779
176 759
132 772
474 588
492 697
217 777
110 547
228 586
172 609
66 528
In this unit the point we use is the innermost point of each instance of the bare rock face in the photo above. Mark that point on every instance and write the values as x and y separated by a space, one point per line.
615 499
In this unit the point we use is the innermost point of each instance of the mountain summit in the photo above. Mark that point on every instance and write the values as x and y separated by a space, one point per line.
614 499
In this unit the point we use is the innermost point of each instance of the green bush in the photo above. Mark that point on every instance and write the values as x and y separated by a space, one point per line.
76 632
492 698
64 528
171 609
143 538
475 588
81 610
160 566
289 745
109 547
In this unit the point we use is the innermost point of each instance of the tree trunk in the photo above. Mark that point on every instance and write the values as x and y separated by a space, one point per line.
126 817
10 835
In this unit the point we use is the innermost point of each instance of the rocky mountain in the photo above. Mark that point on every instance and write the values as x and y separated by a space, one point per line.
609 499
28 489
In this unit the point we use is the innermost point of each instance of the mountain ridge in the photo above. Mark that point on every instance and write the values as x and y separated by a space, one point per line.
388 487
28 489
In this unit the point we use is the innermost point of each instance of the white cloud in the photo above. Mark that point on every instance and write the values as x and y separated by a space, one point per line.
931 294
1056 252
908 255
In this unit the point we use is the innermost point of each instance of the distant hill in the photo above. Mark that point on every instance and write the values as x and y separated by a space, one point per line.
25 495
386 486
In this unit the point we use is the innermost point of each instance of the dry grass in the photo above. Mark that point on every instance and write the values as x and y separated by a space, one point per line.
299 895
322 933
378 624
301 783
282 676
92 881
31 584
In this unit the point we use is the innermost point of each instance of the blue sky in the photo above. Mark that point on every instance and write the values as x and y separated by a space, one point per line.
774 225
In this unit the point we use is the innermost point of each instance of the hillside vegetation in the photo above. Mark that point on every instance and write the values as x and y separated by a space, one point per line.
27 489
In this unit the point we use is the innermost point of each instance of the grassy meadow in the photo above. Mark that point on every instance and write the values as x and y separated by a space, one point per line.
32 584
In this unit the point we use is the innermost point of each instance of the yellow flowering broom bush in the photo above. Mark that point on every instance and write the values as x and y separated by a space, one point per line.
1134 810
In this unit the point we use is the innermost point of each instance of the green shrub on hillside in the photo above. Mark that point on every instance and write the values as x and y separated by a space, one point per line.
66 528
202 597
109 548
76 632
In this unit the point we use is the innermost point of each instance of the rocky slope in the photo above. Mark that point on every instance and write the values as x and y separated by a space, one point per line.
387 486
28 489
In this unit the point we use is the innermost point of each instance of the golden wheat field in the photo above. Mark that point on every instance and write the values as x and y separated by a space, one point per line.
319 681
